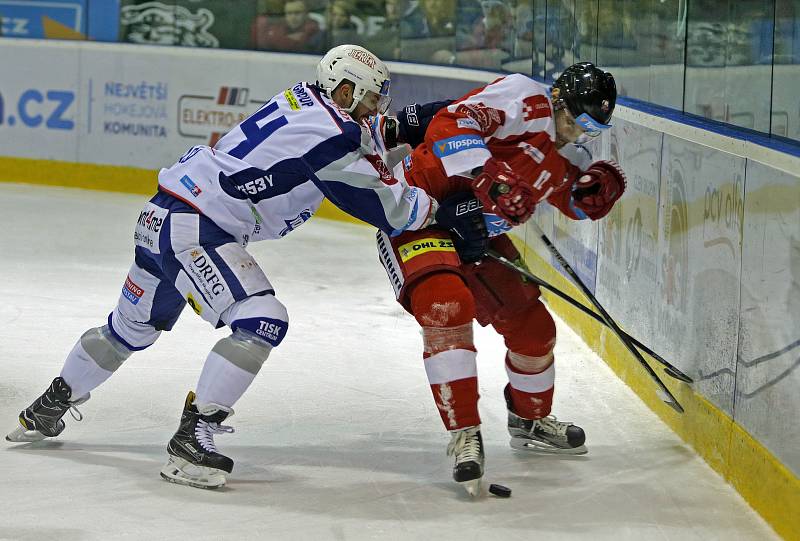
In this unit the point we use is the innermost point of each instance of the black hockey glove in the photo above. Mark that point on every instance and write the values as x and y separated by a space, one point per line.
413 120
462 215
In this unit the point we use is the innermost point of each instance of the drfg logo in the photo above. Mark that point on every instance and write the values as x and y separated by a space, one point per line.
34 109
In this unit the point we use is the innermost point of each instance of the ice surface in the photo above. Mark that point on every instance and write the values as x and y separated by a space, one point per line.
338 437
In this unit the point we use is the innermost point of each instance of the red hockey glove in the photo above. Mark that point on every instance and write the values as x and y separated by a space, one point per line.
504 193
598 188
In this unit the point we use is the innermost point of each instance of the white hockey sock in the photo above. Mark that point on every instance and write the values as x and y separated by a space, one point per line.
222 382
82 373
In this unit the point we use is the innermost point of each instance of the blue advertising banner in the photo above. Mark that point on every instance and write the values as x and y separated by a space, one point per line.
36 19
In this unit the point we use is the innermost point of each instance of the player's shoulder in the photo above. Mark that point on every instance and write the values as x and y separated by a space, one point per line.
522 82
318 113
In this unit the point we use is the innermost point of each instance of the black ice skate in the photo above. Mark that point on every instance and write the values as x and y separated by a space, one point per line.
193 457
545 435
467 446
42 419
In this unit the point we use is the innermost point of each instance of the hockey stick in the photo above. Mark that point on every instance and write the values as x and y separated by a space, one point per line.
663 393
669 368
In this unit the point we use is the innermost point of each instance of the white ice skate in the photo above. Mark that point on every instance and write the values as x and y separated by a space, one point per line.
467 447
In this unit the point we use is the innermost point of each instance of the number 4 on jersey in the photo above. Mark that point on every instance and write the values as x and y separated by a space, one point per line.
255 134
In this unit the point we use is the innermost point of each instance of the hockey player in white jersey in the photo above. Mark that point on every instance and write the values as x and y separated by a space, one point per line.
262 180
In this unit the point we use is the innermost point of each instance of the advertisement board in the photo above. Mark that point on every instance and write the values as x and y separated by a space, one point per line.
768 365
36 19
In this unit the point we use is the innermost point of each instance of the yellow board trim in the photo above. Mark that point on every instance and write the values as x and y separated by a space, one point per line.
768 486
107 178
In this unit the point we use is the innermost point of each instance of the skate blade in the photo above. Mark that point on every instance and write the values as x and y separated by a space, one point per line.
23 435
533 446
183 472
472 487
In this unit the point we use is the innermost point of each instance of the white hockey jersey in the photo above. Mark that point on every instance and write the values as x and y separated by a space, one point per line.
269 174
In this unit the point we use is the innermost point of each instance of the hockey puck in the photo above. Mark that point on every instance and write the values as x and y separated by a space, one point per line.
500 491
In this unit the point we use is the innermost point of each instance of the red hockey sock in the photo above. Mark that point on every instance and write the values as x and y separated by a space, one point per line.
531 393
444 307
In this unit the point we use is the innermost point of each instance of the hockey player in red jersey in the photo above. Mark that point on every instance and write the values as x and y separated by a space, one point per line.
508 145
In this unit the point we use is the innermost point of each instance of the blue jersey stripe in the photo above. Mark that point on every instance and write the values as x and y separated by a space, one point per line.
361 203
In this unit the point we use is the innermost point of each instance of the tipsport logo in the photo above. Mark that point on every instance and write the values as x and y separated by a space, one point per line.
459 143
34 108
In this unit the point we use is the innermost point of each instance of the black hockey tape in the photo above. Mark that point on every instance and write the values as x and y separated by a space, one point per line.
500 491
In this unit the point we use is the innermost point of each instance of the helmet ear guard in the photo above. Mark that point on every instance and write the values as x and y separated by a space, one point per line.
359 66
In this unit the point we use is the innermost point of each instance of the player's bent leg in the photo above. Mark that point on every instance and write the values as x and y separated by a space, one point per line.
530 338
145 306
93 359
259 323
444 307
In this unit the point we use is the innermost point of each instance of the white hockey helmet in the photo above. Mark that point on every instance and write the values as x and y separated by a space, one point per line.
361 67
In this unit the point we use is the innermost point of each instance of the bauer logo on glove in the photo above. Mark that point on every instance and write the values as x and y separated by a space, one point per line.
468 206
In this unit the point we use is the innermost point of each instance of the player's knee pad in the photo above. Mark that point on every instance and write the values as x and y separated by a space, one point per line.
132 334
442 300
444 307
263 316
244 349
530 364
531 333
104 349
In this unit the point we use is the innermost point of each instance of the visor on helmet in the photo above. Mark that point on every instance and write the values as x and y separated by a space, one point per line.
384 100
590 126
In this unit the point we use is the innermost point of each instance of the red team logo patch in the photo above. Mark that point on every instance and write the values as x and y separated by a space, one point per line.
535 107
488 118
386 176
131 291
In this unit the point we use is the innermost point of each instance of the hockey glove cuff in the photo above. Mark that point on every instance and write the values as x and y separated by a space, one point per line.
461 214
598 188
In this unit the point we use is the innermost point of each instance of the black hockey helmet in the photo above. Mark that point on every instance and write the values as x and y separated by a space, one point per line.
588 93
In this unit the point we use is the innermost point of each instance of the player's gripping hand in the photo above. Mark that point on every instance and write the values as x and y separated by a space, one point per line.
390 130
504 193
462 215
598 188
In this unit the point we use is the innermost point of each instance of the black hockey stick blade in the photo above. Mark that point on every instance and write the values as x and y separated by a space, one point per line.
669 368
670 401
677 374
663 392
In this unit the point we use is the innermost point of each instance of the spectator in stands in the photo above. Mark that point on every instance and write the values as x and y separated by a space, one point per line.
492 37
341 27
403 19
295 31
406 17
440 17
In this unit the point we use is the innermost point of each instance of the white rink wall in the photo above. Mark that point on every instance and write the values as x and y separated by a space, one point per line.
700 260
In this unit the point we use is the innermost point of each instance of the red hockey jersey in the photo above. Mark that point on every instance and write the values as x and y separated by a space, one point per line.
510 119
